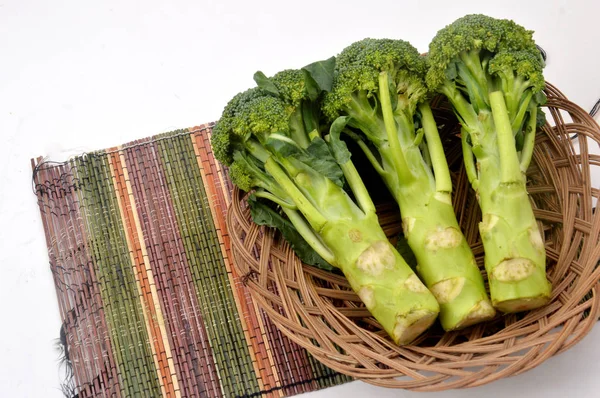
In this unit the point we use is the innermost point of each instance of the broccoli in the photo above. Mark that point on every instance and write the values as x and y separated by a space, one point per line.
491 72
379 88
271 137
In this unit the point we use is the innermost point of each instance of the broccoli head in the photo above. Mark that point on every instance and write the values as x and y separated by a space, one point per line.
300 90
356 88
250 117
474 34
291 86
261 117
229 130
477 55
360 64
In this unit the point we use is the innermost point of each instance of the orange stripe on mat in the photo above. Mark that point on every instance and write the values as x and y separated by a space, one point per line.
161 350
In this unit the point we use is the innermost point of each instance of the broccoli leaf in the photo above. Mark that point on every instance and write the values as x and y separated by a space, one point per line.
321 73
540 118
451 71
311 86
265 83
310 115
540 98
262 214
283 148
519 140
393 92
319 157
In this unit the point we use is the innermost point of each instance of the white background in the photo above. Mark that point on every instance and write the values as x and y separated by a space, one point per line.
85 75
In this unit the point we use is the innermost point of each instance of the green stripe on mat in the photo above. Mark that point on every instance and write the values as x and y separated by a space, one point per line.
115 273
202 249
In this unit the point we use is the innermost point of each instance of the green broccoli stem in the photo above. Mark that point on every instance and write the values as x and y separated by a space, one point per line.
297 130
463 109
312 214
353 241
469 160
517 121
443 183
383 280
514 89
471 304
379 275
445 261
529 141
399 161
269 196
257 150
309 235
358 187
509 162
515 258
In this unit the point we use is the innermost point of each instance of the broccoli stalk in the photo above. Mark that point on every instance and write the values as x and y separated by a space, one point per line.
491 72
380 88
271 138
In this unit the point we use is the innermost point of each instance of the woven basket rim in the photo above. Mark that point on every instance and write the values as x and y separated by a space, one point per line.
315 310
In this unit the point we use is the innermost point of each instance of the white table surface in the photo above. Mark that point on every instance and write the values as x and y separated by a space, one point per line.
84 75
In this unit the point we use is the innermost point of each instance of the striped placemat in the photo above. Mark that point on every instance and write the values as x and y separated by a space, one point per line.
150 303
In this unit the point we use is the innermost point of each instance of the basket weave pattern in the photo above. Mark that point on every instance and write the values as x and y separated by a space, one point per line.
317 309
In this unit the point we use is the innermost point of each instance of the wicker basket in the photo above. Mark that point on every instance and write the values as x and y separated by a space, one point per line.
317 309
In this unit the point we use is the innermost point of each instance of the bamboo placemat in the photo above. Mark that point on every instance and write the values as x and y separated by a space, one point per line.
150 303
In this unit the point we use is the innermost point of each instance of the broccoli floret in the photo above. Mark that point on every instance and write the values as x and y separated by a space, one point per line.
299 92
477 54
491 72
221 143
291 85
242 177
525 65
473 35
520 75
380 90
261 117
355 90
227 132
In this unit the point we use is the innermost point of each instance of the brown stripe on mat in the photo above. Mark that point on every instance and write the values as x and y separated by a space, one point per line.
192 352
